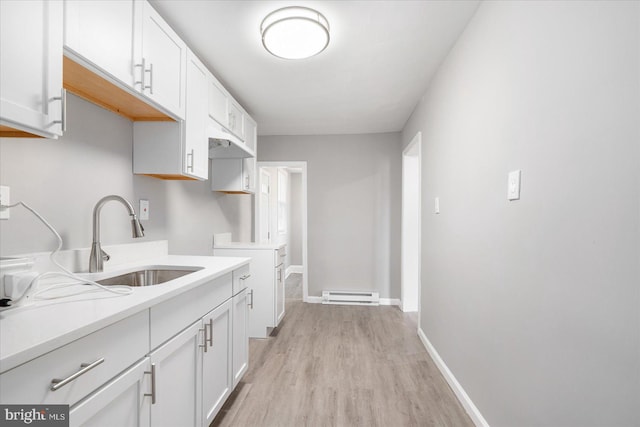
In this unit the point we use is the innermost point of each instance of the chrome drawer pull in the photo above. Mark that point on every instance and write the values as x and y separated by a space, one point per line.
86 367
245 277
153 383
251 303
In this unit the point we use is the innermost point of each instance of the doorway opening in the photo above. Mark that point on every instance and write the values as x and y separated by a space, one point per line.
411 226
281 217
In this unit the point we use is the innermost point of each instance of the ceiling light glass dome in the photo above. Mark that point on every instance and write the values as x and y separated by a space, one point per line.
295 32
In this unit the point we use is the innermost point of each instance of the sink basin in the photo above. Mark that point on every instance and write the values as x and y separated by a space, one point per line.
148 277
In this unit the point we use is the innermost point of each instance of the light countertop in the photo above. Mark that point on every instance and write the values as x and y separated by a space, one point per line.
30 331
248 245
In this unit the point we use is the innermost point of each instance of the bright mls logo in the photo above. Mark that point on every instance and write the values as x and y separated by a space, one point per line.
34 415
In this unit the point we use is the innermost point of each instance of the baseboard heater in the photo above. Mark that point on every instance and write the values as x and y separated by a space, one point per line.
351 297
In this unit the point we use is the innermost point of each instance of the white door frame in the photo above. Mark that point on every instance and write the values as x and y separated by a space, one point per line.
258 227
305 264
409 246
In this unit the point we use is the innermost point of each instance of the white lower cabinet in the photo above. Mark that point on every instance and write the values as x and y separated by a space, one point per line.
217 380
267 283
171 365
123 402
240 335
178 379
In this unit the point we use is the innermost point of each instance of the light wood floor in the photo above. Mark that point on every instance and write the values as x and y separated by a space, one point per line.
330 365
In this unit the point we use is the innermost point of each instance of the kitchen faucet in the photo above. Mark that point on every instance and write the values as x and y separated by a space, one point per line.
98 256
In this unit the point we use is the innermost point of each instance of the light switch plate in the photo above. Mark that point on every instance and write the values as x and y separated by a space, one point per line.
5 199
513 185
144 210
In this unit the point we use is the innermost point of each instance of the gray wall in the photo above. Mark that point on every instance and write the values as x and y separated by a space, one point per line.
63 179
295 218
353 220
534 304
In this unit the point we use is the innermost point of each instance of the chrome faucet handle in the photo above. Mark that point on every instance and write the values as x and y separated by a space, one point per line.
105 256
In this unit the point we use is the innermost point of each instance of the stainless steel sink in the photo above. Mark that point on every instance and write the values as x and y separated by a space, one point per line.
148 277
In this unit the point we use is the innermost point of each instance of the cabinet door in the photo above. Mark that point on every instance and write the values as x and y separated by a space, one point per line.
240 336
279 294
236 120
162 67
218 102
217 381
124 401
196 144
31 67
102 33
249 173
178 376
250 133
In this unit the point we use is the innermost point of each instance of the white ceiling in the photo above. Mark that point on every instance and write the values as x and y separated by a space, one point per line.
378 64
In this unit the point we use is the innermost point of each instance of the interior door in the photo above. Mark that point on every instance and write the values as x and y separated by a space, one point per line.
265 206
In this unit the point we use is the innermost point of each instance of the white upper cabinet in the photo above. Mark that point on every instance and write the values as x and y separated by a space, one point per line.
218 102
196 142
177 150
31 95
162 66
250 133
102 32
236 120
130 44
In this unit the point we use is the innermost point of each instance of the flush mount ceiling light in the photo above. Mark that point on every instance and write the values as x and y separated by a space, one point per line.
295 32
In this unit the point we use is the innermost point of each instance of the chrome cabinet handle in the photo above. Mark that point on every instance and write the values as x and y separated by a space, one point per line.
190 160
63 109
204 337
143 67
142 82
86 367
150 71
211 332
279 275
153 383
247 182
245 277
251 303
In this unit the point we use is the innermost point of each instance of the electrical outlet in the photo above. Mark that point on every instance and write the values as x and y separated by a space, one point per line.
144 210
5 199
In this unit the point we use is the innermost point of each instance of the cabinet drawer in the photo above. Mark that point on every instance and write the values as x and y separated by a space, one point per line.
170 317
120 345
240 277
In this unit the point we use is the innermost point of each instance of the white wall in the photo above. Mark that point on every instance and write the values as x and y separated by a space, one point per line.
63 179
353 202
534 304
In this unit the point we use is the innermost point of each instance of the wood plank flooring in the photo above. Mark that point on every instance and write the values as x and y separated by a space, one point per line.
331 365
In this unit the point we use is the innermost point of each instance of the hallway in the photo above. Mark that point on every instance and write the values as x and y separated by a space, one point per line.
331 365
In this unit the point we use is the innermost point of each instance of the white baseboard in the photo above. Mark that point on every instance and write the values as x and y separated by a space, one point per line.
463 397
293 269
383 301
